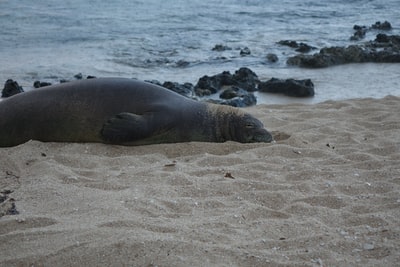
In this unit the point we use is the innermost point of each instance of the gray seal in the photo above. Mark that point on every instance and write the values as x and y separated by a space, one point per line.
120 111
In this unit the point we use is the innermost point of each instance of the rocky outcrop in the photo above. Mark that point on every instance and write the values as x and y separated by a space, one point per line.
38 84
299 47
271 57
384 49
361 31
237 97
245 51
233 89
185 89
237 87
220 48
11 87
289 87
243 78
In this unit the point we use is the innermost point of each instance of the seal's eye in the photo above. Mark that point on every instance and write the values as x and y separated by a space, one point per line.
250 125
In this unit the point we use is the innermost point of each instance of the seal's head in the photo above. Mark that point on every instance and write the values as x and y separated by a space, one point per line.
248 129
234 124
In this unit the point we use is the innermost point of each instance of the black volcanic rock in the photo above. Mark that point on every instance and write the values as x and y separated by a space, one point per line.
384 26
38 84
243 101
384 49
289 87
233 92
207 85
220 48
185 89
359 33
243 78
300 47
11 87
245 51
246 78
272 57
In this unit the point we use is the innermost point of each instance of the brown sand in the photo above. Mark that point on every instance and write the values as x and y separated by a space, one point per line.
326 194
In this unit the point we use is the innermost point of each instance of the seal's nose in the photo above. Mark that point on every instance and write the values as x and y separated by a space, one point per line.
263 135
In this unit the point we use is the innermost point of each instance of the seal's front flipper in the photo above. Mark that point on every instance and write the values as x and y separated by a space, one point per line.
125 127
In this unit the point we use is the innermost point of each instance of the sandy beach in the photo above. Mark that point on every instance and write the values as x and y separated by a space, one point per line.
325 194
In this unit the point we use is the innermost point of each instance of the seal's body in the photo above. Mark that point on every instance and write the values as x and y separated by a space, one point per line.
120 111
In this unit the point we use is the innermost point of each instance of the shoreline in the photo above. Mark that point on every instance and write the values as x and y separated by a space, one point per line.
349 81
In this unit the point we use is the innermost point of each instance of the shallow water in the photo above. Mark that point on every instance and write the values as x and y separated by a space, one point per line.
173 40
341 82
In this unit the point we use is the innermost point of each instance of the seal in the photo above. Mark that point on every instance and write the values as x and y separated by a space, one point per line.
120 111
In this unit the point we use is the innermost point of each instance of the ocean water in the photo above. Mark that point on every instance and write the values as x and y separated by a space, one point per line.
173 39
